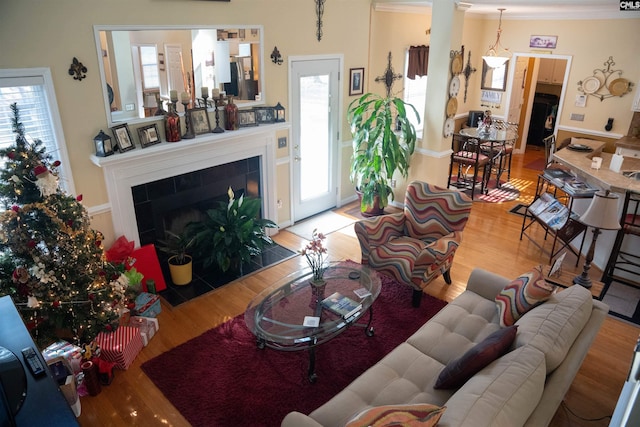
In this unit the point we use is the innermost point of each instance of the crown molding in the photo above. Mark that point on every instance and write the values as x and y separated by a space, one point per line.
544 12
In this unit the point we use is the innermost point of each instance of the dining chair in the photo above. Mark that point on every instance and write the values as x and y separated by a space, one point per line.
467 155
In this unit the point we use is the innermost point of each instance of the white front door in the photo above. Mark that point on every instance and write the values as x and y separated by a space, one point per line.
315 126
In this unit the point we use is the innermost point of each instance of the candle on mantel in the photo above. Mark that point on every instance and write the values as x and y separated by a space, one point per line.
184 96
173 94
204 91
216 93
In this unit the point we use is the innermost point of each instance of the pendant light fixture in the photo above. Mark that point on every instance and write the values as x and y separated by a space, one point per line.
497 55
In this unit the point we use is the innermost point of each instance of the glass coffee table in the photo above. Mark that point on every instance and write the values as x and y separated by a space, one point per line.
290 316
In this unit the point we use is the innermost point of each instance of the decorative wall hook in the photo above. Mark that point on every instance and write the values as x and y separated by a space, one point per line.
276 57
77 70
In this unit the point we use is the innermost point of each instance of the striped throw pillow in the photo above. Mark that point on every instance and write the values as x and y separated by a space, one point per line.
521 295
421 414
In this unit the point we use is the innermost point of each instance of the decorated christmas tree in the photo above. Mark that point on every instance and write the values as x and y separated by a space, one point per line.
51 261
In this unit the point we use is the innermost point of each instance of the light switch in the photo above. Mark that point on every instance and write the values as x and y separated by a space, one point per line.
282 142
577 117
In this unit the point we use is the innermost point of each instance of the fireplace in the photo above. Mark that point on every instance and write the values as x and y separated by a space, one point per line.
171 203
171 165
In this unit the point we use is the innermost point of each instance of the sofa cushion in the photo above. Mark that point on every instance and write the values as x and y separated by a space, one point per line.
458 371
553 327
422 414
503 394
459 326
521 295
403 376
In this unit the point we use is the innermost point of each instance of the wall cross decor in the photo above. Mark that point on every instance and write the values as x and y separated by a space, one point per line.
467 73
319 13
388 77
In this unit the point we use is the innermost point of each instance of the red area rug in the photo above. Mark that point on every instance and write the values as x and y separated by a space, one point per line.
221 378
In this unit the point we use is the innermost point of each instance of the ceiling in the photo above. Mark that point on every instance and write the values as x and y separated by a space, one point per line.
526 9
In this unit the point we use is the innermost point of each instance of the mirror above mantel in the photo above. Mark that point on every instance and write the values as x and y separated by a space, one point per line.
142 64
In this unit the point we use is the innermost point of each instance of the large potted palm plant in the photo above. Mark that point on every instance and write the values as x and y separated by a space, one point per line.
383 141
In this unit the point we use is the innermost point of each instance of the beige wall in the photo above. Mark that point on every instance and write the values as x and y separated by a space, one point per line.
38 33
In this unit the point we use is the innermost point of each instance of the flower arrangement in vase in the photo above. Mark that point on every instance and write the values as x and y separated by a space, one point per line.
315 253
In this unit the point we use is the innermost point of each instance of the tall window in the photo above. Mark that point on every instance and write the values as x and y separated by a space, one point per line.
415 93
32 90
149 66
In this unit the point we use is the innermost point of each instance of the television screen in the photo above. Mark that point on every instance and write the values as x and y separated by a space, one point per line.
13 387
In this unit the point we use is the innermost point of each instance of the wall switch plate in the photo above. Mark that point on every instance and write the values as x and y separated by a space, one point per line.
577 117
130 107
282 142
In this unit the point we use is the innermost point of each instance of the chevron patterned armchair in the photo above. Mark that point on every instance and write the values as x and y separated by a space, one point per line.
417 245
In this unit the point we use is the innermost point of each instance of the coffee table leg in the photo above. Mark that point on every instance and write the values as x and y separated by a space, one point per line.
260 342
312 361
369 329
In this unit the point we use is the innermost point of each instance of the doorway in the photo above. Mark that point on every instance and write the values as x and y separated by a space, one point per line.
315 100
538 85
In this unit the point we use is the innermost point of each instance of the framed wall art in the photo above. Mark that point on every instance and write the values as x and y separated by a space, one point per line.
247 118
199 121
356 81
123 138
149 135
265 114
545 42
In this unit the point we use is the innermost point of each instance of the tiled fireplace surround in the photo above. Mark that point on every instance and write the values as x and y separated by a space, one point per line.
125 171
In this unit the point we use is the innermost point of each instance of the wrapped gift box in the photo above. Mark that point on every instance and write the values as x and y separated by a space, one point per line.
148 327
120 347
71 353
147 305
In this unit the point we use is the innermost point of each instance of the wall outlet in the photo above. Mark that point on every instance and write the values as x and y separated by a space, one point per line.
577 117
130 107
282 142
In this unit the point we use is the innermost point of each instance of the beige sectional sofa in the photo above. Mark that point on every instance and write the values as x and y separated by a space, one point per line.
522 388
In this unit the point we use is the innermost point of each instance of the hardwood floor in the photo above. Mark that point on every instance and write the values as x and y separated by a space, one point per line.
491 241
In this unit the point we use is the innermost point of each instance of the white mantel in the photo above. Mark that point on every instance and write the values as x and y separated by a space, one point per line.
122 171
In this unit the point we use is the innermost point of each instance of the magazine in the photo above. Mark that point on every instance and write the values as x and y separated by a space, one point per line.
341 305
576 187
553 213
541 203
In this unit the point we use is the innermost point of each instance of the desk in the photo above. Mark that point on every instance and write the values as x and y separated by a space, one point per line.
495 143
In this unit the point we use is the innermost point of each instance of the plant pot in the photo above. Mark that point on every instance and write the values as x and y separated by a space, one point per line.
374 210
181 274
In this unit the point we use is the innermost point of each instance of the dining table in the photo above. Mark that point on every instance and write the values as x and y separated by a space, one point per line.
495 143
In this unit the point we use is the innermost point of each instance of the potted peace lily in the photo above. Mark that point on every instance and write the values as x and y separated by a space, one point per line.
383 141
231 233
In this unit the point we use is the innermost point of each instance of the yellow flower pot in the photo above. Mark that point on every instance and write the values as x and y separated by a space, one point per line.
181 274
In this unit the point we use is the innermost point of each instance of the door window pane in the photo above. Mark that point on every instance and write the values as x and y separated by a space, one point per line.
314 136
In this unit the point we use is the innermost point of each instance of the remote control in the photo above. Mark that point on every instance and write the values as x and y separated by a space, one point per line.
33 362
